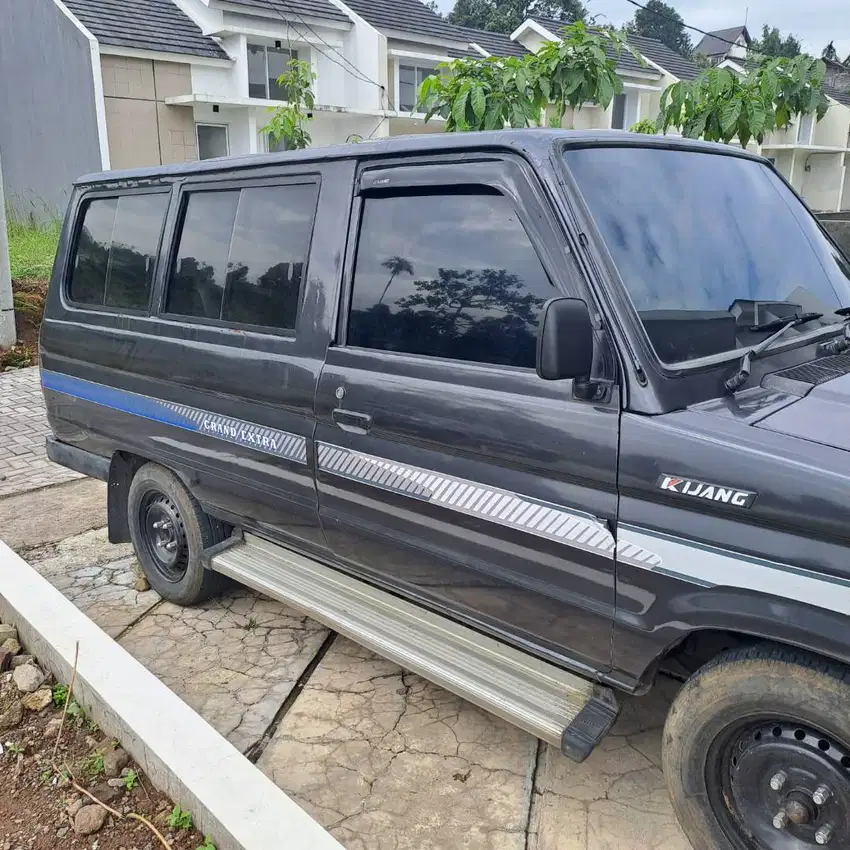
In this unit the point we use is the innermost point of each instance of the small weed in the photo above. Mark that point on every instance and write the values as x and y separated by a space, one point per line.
60 695
92 726
32 247
207 845
178 819
93 764
15 749
46 775
250 625
131 780
76 712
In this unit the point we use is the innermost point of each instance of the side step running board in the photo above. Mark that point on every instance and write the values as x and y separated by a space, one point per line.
556 706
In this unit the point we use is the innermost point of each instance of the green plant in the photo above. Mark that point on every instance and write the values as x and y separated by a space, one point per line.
76 712
492 93
251 625
646 126
178 819
207 845
131 779
32 247
46 775
720 106
288 123
93 764
60 695
15 749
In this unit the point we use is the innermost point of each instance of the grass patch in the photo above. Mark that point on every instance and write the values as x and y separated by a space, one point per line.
32 248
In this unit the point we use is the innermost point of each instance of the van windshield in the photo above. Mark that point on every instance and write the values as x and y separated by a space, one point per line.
709 247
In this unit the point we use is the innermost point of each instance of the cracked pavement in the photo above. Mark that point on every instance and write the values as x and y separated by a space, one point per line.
381 757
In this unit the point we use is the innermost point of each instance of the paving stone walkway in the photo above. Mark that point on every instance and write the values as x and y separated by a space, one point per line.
23 427
381 757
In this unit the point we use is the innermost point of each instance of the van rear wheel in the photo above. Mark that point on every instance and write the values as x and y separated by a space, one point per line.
169 531
756 752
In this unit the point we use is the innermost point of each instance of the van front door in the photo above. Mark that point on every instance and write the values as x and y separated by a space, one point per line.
446 468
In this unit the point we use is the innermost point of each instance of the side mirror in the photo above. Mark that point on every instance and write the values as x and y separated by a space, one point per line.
565 341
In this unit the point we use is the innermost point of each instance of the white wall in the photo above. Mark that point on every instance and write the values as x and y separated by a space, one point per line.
821 184
845 198
833 129
216 81
366 48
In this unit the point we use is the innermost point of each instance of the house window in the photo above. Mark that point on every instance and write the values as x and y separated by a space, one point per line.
265 65
805 129
410 78
212 140
624 111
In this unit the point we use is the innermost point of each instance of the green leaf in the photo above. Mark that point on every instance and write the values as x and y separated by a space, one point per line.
605 91
459 107
757 117
518 116
479 101
729 117
493 119
545 88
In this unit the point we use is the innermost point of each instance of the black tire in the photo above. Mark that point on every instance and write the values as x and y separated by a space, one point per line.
741 722
155 492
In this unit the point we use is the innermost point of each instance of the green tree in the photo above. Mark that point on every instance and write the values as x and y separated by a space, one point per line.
773 44
432 5
719 105
492 93
829 52
663 23
288 123
506 15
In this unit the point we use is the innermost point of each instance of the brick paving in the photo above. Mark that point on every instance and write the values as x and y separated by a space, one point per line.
23 427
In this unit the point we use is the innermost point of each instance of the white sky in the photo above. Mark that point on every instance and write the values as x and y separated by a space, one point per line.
815 22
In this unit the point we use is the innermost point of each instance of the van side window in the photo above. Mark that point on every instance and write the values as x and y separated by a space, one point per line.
242 255
116 251
447 275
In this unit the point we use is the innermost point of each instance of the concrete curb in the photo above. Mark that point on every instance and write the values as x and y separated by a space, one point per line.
183 755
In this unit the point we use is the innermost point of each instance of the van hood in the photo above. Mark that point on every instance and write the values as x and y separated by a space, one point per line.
821 416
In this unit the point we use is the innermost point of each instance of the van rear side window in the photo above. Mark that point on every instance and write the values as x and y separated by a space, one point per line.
116 251
242 254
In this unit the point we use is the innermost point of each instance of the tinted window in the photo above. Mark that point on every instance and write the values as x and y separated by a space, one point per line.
135 240
117 250
447 276
88 282
197 284
267 255
708 246
242 255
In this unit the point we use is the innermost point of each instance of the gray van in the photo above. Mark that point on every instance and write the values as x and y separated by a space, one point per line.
536 414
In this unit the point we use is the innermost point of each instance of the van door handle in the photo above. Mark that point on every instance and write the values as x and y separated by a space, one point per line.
348 420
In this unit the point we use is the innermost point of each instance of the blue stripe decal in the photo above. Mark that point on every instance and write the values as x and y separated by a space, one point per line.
267 440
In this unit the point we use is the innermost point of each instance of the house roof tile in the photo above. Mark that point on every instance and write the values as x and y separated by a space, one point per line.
145 25
411 16
661 54
841 95
495 43
322 9
716 43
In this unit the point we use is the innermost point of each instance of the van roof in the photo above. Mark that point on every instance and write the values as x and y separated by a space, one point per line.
534 143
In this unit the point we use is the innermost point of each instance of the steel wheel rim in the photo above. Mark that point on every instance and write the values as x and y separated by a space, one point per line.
765 780
164 536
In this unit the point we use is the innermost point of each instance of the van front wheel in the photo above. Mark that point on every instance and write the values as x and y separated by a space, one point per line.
169 531
756 752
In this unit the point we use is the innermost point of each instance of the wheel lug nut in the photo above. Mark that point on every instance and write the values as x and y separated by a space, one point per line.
821 795
171 545
824 834
778 780
159 524
780 820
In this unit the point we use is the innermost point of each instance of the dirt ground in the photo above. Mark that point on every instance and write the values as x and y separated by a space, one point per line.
38 801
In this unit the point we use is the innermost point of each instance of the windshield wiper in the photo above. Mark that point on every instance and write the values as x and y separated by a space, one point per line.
740 377
777 324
